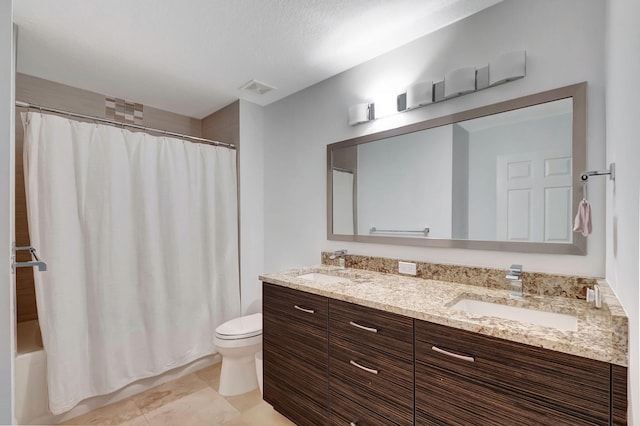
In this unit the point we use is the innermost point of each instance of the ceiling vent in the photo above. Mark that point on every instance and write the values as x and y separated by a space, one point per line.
257 87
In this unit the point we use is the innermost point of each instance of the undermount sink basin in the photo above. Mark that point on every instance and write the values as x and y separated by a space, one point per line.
324 278
515 313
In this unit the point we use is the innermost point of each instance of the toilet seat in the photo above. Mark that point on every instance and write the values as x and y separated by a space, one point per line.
240 328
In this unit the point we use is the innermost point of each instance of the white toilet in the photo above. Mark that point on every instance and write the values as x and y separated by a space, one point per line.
238 341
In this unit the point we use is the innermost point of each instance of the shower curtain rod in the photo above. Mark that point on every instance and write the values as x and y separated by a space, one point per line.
119 123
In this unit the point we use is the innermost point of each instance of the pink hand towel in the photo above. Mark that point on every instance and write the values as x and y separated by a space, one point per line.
582 222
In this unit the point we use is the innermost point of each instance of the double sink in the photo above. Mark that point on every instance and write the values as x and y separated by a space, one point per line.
478 308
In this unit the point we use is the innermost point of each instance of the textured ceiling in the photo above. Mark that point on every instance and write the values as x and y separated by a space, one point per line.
192 56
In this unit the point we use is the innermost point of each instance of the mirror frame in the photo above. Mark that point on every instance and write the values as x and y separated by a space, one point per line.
578 92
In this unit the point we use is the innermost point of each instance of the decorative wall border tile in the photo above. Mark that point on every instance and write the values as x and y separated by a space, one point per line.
123 110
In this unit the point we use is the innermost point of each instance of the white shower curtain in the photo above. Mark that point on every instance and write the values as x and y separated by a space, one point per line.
141 239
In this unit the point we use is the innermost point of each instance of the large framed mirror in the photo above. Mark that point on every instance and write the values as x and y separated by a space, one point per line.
501 177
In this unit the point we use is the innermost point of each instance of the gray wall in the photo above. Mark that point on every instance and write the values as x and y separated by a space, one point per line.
565 45
623 87
405 183
7 173
460 184
251 166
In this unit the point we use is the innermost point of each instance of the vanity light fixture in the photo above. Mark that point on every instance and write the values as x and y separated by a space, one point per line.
482 77
361 113
438 91
383 106
507 67
459 82
419 94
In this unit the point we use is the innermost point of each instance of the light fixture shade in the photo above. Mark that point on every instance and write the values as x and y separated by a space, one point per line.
460 81
482 77
360 113
507 67
438 91
419 94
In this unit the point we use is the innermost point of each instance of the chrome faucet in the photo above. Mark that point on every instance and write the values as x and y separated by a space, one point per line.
339 254
515 277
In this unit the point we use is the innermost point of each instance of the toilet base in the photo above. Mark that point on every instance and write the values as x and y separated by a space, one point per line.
238 375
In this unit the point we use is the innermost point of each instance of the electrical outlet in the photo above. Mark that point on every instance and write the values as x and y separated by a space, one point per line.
407 268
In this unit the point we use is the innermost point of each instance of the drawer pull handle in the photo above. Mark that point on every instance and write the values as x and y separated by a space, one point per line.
353 424
362 327
309 311
462 357
368 370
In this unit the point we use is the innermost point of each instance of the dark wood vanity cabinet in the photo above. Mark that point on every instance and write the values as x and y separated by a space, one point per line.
295 352
332 362
464 378
370 366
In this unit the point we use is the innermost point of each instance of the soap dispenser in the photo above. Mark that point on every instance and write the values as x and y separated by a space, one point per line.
594 295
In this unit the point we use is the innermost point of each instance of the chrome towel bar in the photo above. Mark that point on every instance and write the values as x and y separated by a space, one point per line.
374 230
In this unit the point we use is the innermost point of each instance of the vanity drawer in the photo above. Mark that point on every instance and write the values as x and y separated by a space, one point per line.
345 412
547 379
373 379
383 331
295 305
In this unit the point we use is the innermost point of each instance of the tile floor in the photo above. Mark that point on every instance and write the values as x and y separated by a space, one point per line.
189 401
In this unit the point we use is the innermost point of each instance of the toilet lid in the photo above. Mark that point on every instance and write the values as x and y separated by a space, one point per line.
237 328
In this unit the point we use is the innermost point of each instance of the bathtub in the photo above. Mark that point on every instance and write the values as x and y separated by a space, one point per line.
31 396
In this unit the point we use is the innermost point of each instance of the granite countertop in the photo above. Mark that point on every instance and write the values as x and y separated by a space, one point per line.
602 334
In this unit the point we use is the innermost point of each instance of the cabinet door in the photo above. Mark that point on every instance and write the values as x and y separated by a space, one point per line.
446 398
295 348
296 407
618 395
467 375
